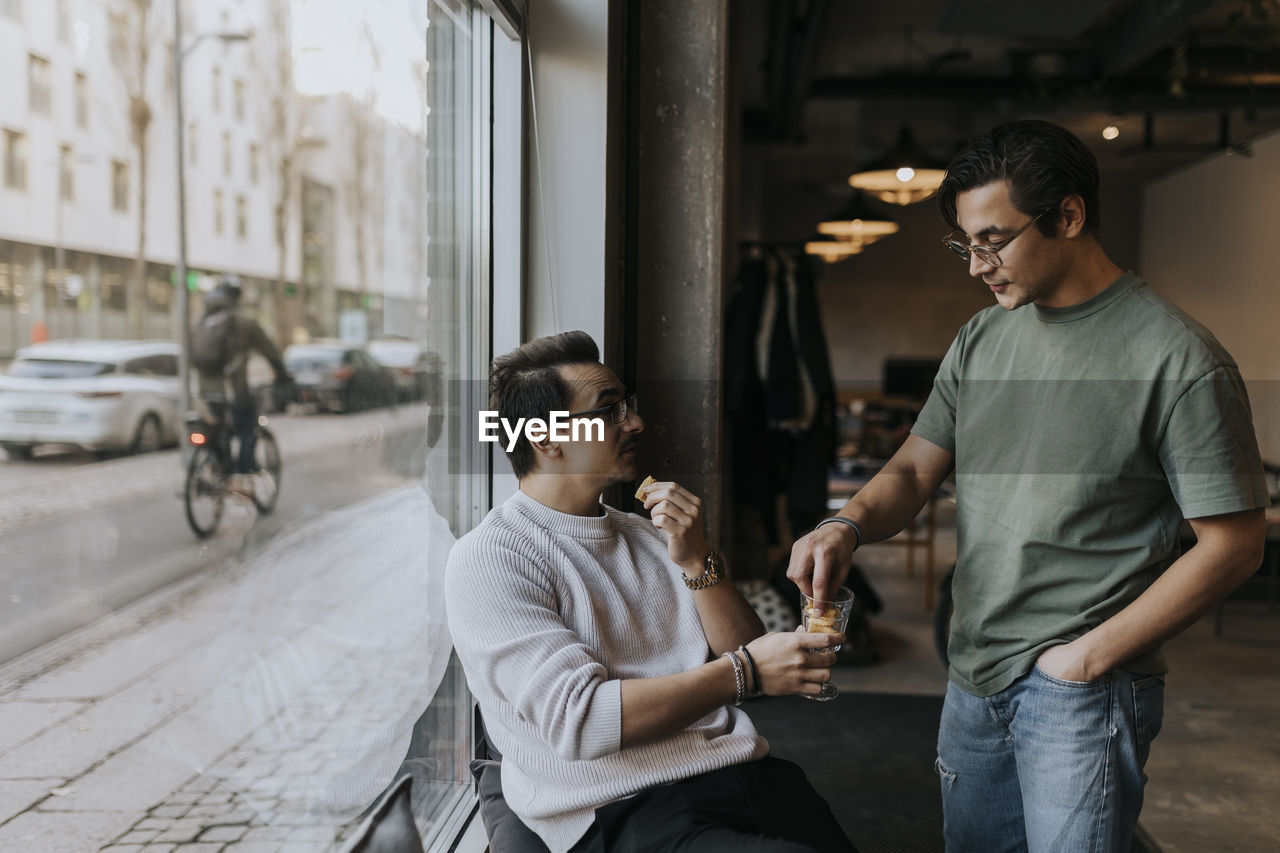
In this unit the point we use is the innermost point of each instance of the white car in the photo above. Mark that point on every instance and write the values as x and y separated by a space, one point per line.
100 395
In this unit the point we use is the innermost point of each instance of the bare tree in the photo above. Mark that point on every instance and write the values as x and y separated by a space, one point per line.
131 46
365 158
282 142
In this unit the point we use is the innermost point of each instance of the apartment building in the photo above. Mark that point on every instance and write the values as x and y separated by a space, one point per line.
88 136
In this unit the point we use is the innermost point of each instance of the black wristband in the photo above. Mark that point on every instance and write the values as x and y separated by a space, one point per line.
756 688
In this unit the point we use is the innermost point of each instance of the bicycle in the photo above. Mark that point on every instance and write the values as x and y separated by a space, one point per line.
212 464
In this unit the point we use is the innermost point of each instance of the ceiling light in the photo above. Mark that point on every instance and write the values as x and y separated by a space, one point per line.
1110 132
904 175
859 219
832 250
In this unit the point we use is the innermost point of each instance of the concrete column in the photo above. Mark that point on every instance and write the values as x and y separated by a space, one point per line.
678 144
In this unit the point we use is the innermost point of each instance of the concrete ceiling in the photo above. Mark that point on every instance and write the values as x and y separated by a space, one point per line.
1182 79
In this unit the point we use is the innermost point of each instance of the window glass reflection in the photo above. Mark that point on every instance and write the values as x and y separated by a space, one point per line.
263 680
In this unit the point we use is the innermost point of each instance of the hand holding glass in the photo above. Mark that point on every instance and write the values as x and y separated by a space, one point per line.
826 617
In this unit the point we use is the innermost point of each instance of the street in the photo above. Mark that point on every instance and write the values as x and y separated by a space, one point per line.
163 694
80 538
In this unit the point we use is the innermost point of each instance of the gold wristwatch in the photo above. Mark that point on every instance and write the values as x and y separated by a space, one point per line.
711 575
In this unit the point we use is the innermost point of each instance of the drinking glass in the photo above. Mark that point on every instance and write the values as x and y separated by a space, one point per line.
826 617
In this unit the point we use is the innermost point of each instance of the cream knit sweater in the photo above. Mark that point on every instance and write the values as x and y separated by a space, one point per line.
549 612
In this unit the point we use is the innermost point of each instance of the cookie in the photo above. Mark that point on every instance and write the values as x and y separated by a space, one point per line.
648 481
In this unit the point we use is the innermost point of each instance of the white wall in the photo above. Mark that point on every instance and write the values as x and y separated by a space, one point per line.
1209 238
568 42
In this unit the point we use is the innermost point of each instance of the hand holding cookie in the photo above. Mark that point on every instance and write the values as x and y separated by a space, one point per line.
648 481
677 512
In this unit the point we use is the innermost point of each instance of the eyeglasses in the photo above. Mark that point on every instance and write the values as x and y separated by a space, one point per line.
617 412
988 254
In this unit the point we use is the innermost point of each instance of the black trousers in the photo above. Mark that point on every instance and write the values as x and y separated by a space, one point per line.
766 806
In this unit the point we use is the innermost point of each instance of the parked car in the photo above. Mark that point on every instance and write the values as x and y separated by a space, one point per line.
102 396
415 369
338 376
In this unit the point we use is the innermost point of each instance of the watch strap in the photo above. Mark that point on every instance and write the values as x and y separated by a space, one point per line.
712 573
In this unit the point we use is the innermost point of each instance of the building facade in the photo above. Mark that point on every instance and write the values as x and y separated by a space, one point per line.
311 201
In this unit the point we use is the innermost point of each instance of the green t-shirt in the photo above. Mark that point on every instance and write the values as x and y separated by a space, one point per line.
1082 437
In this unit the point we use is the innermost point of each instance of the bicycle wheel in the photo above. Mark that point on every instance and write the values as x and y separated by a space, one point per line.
266 461
204 493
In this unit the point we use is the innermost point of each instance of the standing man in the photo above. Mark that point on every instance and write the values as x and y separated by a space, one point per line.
608 651
1085 417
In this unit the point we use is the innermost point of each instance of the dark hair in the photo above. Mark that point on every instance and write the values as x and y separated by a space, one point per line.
1042 162
230 287
526 383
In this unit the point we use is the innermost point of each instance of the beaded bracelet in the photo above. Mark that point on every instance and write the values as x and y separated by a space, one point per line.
739 677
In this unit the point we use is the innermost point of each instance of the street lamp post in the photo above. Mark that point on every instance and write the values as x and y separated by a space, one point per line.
184 301
59 254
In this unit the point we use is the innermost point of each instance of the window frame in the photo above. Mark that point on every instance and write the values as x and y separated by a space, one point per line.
66 173
496 274
80 92
16 160
119 186
39 85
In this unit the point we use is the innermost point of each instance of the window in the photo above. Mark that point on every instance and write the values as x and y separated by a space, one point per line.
67 174
82 100
15 160
364 591
117 39
215 88
119 185
152 365
39 85
159 291
11 275
64 21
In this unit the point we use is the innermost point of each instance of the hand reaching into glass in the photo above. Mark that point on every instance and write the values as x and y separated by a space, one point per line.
826 618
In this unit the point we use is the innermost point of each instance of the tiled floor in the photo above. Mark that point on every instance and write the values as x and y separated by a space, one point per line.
1215 768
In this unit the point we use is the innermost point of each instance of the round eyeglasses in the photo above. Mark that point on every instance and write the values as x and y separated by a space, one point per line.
988 253
617 411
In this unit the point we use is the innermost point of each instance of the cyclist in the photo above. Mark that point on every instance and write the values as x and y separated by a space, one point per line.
220 353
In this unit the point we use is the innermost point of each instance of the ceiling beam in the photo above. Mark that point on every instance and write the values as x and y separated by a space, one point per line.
1144 27
1073 94
793 48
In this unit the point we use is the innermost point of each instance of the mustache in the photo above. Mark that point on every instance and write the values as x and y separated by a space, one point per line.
629 444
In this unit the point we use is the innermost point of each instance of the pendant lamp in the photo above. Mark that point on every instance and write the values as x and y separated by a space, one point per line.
905 174
860 220
832 250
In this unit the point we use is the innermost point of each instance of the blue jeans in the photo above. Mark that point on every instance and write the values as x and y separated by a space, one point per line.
1046 764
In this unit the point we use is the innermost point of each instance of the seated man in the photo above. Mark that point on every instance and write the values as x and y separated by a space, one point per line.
608 652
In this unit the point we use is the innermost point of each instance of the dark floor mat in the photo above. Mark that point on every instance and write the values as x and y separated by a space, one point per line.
871 755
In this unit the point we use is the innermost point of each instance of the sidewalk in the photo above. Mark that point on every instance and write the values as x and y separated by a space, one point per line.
219 713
